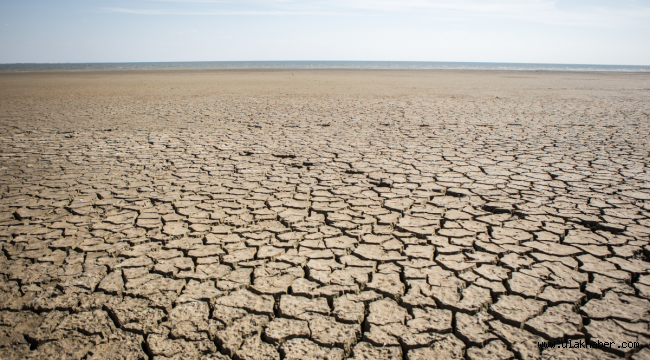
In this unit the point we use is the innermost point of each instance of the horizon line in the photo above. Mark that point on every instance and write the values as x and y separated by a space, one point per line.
305 61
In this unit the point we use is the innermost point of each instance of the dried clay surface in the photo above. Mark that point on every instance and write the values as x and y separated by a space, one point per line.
323 215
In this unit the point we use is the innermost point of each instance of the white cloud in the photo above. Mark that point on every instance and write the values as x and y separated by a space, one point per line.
538 11
220 12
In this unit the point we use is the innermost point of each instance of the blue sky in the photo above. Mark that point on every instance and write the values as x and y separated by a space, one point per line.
532 31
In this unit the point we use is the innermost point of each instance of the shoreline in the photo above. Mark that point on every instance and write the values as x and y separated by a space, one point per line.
318 65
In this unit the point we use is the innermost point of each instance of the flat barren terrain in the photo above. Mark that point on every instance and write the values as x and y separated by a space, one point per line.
324 215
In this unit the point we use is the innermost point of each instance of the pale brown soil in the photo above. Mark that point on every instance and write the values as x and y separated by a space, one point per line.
323 214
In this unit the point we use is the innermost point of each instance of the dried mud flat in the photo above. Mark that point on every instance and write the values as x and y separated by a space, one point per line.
323 215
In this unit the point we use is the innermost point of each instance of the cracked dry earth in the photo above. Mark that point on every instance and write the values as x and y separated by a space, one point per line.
259 225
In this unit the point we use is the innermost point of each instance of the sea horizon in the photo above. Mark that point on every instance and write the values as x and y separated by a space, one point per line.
314 65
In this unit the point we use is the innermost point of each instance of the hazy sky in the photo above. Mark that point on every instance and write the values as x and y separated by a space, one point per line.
533 31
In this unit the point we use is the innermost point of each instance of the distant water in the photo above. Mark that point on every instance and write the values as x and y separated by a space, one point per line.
294 65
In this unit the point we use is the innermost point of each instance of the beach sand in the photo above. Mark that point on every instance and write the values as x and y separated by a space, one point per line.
364 214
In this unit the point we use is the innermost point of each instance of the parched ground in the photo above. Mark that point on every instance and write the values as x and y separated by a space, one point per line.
324 215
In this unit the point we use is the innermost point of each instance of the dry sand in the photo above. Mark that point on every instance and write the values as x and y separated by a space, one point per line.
323 214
